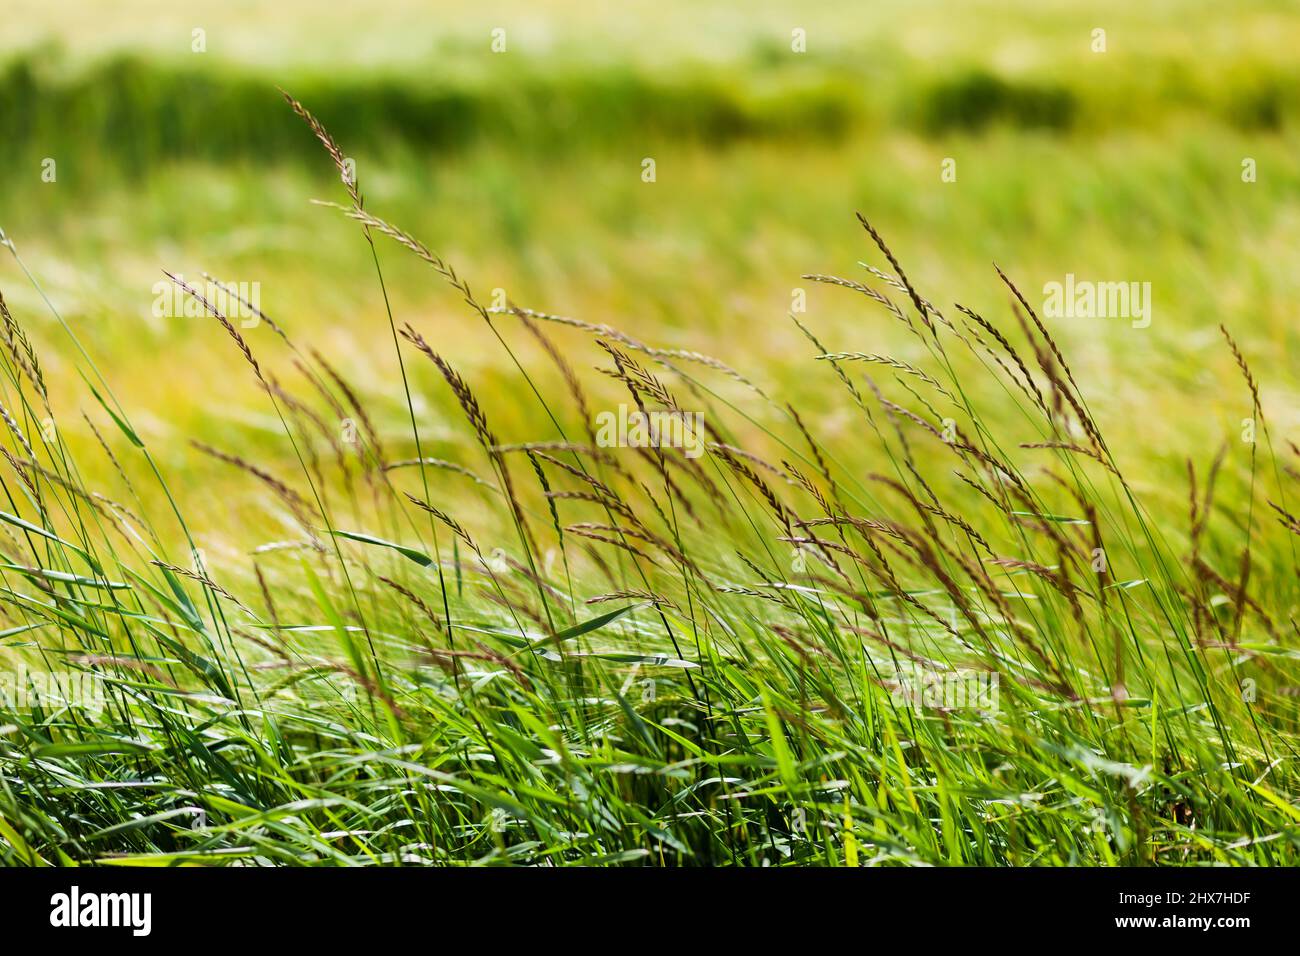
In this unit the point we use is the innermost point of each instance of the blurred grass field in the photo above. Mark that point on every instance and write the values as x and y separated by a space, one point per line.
524 168
524 171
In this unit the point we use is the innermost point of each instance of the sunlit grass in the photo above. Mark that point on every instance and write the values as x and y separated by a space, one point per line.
304 648
623 656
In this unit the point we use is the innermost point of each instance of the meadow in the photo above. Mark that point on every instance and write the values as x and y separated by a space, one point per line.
925 574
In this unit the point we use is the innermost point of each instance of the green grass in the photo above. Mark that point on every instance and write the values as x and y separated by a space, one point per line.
617 656
602 655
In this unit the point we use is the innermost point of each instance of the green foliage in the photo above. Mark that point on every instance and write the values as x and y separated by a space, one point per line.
388 703
418 646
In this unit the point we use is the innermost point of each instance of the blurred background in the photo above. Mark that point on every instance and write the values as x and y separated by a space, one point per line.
511 137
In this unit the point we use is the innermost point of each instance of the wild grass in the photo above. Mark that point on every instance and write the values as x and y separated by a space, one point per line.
545 649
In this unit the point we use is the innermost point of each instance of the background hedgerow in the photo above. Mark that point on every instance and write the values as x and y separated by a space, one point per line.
932 634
